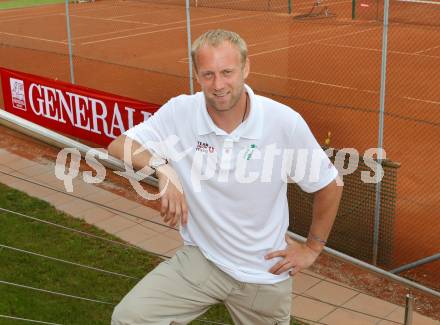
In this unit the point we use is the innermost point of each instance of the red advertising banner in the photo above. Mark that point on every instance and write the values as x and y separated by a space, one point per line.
81 112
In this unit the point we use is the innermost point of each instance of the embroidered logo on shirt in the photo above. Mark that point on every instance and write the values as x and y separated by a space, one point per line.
250 151
204 147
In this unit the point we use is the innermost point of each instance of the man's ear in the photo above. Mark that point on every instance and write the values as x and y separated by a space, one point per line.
246 69
197 75
196 72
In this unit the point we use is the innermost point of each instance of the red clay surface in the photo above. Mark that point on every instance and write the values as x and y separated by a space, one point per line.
327 69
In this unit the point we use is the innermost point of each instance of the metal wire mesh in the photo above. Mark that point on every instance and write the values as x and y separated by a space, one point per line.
353 231
419 12
411 141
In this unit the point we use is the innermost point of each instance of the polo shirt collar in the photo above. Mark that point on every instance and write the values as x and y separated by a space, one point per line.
252 127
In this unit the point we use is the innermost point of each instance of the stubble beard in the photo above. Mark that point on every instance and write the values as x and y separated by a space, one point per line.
211 102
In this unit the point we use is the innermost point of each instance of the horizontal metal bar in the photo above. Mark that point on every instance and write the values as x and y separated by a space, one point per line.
28 320
372 268
60 141
417 263
55 292
67 262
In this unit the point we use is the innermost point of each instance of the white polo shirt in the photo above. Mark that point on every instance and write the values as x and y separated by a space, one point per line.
235 184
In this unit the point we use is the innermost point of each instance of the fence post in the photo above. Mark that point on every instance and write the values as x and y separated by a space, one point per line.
381 126
188 32
353 9
409 307
69 41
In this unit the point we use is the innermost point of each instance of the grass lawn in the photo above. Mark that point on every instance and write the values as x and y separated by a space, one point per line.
34 271
11 4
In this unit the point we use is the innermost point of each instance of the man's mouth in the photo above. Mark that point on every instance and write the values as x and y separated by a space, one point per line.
220 95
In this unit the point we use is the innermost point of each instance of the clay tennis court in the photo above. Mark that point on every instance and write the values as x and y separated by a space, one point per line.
327 69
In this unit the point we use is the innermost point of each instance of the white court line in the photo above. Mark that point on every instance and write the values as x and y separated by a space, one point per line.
284 38
30 8
313 82
133 22
421 1
5 12
201 18
108 33
141 13
137 28
62 12
167 29
380 50
74 10
116 20
30 17
426 50
313 42
35 38
341 86
299 35
422 100
129 15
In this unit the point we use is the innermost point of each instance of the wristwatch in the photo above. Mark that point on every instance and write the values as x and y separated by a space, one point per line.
156 162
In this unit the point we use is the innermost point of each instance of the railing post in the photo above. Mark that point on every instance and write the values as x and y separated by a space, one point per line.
353 9
409 306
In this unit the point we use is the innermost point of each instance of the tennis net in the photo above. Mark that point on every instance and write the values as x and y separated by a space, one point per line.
419 12
281 6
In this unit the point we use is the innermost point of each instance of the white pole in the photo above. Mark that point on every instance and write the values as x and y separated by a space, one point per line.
381 126
69 41
188 32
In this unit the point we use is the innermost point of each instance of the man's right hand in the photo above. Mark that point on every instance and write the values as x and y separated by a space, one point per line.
173 203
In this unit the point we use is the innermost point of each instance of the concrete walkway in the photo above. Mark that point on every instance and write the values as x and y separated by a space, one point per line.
316 299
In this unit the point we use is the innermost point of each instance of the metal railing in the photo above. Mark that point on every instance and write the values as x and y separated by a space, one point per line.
57 140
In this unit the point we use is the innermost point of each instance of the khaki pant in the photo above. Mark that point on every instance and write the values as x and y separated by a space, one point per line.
184 287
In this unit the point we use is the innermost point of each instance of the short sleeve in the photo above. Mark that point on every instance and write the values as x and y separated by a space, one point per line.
154 132
310 168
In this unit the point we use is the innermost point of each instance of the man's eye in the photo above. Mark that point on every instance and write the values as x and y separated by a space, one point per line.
227 72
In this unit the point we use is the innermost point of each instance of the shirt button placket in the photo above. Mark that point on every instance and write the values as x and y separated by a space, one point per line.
226 159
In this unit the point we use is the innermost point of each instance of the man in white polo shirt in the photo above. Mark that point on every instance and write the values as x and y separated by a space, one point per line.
223 158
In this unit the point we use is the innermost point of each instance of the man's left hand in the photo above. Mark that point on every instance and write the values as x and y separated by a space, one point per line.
295 258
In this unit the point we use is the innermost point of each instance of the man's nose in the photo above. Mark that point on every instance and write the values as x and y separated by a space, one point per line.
218 82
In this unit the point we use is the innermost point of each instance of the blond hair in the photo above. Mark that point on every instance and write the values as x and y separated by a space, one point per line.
216 37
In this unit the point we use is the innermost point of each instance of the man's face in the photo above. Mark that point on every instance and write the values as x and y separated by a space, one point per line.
221 75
